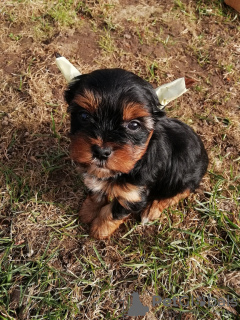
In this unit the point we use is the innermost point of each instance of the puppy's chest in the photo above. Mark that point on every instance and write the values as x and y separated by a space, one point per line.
113 189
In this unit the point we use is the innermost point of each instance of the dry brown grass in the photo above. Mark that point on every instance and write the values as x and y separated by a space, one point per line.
50 267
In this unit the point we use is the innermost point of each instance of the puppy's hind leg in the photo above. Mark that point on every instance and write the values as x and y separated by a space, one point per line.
153 210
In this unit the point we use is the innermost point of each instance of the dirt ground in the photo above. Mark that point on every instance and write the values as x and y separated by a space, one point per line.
41 189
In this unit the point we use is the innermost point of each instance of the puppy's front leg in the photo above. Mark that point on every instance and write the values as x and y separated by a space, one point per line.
108 220
91 207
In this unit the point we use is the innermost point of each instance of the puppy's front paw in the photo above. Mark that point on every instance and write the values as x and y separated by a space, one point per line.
91 208
103 225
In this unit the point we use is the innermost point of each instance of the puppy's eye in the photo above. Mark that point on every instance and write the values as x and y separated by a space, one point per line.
133 125
84 116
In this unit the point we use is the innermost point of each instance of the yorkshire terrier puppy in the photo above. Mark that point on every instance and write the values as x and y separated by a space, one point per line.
135 159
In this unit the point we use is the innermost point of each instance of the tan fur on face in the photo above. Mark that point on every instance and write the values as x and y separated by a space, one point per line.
133 111
103 225
153 211
88 101
80 149
124 159
121 160
91 208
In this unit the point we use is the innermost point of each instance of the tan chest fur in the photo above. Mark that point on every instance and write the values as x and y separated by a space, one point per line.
124 193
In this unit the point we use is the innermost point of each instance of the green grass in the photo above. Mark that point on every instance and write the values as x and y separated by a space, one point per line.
165 263
106 42
174 262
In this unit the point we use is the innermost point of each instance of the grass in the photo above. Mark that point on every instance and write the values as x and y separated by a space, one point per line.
106 42
49 266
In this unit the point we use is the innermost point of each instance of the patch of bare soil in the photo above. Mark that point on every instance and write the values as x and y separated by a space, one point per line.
81 45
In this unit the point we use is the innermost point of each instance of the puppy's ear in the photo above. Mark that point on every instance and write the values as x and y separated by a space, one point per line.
71 91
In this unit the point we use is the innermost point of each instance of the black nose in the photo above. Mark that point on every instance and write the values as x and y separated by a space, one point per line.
101 153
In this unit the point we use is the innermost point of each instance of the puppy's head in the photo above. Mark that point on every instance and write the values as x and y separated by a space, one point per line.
113 113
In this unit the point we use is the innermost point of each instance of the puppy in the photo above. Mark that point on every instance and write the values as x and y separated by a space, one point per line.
134 158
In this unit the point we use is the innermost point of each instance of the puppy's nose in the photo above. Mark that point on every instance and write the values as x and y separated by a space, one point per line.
101 153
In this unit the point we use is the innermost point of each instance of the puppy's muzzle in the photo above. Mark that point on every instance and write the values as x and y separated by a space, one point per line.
101 153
